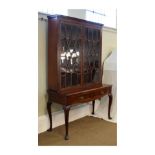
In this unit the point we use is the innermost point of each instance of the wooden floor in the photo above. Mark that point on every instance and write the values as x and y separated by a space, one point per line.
83 132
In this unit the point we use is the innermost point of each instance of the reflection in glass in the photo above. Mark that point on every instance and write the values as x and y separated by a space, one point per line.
91 55
70 55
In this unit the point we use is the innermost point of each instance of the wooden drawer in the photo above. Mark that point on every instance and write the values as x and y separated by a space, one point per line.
99 93
78 98
86 96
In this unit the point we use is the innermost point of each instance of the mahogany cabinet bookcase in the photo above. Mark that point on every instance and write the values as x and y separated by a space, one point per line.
74 64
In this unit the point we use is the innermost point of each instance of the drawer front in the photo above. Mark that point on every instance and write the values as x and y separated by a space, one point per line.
99 93
86 96
79 98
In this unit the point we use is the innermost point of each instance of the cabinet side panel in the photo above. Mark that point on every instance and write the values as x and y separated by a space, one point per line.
52 54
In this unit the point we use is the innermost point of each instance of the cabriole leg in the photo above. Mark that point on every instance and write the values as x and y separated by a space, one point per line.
93 104
66 113
109 107
49 114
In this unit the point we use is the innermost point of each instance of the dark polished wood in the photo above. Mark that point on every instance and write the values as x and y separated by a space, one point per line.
93 104
74 64
49 103
66 113
83 96
109 106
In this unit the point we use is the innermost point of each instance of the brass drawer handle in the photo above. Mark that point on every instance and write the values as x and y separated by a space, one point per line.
81 97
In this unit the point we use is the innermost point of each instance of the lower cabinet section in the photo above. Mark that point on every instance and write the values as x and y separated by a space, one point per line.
67 100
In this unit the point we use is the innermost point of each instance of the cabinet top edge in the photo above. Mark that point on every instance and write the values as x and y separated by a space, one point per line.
71 18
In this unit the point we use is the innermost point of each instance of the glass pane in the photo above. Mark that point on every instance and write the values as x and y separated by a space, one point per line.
92 55
70 55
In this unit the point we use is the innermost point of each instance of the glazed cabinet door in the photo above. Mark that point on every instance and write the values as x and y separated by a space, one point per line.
92 55
70 55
